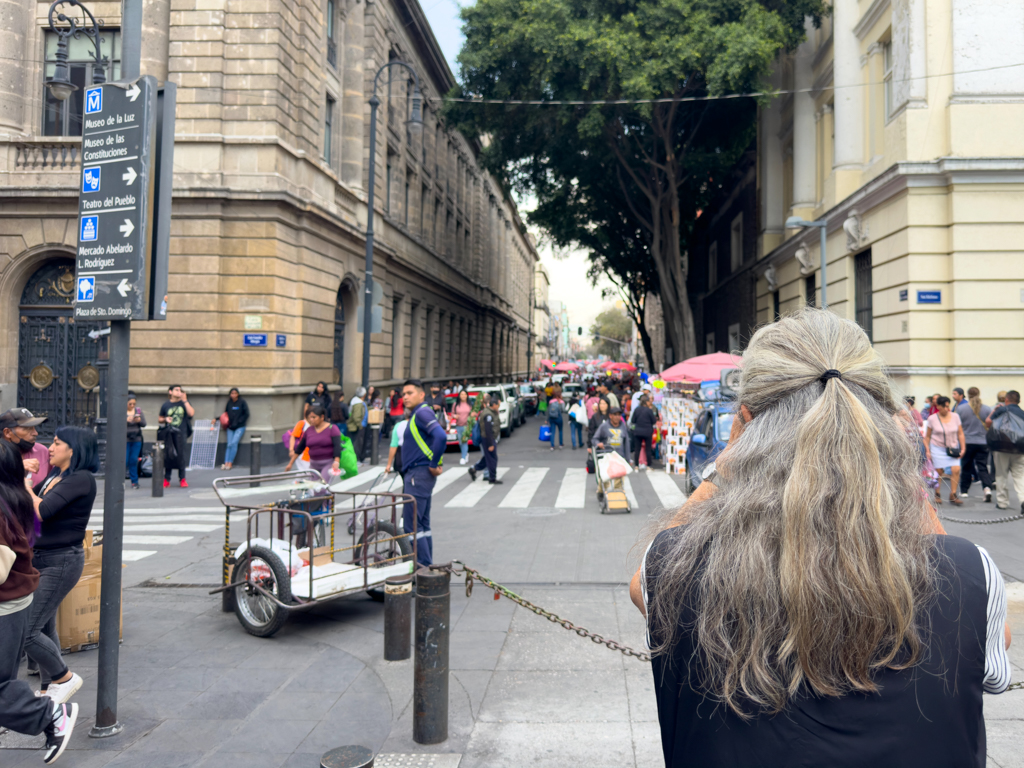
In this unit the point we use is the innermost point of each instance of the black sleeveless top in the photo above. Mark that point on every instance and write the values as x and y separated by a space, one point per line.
930 715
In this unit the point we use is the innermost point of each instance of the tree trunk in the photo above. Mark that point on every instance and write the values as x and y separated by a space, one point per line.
645 337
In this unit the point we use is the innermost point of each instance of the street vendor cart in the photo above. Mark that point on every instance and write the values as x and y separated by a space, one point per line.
306 544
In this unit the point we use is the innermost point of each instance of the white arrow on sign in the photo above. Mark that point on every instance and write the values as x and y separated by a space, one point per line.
123 287
133 92
130 175
127 228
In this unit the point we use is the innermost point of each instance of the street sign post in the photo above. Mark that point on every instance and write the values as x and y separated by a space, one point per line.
116 201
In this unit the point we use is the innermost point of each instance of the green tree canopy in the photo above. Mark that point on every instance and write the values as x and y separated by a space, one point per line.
612 329
606 175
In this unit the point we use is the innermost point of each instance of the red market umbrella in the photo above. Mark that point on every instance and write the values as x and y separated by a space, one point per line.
621 367
701 368
566 367
547 363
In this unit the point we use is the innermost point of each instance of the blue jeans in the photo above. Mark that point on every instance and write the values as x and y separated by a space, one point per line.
576 433
464 447
419 484
20 709
59 571
131 460
555 423
234 438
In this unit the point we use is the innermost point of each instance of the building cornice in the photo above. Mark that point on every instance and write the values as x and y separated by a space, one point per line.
922 370
870 18
942 173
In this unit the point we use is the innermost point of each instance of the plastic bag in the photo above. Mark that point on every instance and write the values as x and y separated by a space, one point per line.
931 477
545 433
613 466
1006 433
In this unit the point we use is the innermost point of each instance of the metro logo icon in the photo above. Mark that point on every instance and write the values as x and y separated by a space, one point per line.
93 101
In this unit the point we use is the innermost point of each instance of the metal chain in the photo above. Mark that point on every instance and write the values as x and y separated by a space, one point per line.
457 568
1009 519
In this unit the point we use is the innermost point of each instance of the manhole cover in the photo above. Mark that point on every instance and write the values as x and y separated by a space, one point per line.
540 511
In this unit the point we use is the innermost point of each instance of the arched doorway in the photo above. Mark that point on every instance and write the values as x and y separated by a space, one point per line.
57 373
339 336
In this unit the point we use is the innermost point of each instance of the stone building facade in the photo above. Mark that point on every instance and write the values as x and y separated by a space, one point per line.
269 211
900 127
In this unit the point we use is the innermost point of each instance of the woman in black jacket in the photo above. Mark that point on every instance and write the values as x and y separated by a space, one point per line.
63 502
319 396
238 416
644 422
600 416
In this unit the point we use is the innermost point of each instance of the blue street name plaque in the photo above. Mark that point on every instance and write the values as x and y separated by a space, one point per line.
254 339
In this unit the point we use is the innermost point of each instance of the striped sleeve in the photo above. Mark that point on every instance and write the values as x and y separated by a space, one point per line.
997 662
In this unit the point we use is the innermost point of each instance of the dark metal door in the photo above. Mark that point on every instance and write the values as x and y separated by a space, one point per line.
339 339
863 292
57 373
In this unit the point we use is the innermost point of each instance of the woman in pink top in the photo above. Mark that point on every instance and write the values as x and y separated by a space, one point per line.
945 433
462 411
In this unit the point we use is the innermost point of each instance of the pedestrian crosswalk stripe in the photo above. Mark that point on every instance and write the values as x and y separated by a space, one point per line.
364 477
131 555
449 476
135 539
474 492
630 496
573 491
146 519
521 494
169 510
668 492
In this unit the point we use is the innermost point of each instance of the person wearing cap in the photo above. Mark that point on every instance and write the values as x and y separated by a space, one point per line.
613 434
19 429
645 388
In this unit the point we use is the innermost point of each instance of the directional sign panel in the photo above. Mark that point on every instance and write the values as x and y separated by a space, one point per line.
115 207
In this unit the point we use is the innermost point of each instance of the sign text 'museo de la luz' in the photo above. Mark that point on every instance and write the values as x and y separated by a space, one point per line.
115 209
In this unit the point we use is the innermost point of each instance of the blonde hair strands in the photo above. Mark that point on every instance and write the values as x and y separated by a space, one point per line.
808 567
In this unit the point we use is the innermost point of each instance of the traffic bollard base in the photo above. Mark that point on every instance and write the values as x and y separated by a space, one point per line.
103 732
351 756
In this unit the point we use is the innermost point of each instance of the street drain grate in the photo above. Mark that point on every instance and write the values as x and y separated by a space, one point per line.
417 761
539 511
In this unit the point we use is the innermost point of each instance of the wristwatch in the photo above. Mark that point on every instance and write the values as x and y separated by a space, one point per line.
710 474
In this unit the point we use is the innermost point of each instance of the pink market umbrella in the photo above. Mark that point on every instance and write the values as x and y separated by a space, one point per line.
566 367
621 367
701 368
547 363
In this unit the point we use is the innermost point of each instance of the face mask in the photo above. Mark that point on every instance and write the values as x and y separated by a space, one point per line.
25 446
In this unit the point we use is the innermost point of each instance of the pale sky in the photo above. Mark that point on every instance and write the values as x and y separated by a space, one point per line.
569 282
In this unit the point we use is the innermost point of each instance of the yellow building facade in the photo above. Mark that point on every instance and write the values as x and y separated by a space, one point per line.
902 125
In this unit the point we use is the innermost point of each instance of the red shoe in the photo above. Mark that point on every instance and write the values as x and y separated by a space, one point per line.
183 483
167 483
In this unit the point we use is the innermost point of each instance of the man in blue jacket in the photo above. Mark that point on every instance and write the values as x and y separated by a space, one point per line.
422 453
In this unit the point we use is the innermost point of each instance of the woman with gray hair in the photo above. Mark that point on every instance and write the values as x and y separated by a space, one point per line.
804 612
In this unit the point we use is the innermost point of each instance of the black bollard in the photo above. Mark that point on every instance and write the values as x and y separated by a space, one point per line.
255 449
158 469
430 673
375 444
397 617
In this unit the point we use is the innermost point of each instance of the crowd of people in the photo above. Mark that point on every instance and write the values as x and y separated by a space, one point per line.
46 500
973 442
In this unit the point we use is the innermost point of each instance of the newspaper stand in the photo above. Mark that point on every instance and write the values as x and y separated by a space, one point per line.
297 553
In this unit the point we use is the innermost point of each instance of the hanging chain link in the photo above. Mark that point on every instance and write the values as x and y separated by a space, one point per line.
1008 519
457 568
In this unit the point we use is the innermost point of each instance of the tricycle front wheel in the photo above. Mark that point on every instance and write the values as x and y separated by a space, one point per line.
257 613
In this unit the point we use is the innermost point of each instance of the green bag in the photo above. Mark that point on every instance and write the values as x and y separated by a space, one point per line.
349 463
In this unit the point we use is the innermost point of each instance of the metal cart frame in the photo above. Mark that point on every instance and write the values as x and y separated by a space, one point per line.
612 502
286 505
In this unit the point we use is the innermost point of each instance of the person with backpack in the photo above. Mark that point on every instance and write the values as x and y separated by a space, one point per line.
488 443
577 420
397 438
1005 438
643 420
556 407
175 428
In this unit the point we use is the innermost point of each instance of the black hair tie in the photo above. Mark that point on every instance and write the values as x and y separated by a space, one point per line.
830 374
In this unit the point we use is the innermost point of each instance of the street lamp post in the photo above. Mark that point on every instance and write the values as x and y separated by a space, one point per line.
415 123
795 222
60 85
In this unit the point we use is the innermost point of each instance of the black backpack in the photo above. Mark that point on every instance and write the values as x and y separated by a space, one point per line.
1006 434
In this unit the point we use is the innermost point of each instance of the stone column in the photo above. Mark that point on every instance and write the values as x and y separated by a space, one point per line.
804 193
19 47
849 90
772 195
443 339
398 337
353 101
415 344
428 370
156 29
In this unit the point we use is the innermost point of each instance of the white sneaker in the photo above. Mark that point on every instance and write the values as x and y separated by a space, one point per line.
61 692
59 730
463 461
988 494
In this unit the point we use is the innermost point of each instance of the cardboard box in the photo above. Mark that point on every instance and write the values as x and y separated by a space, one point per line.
321 555
375 416
78 618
